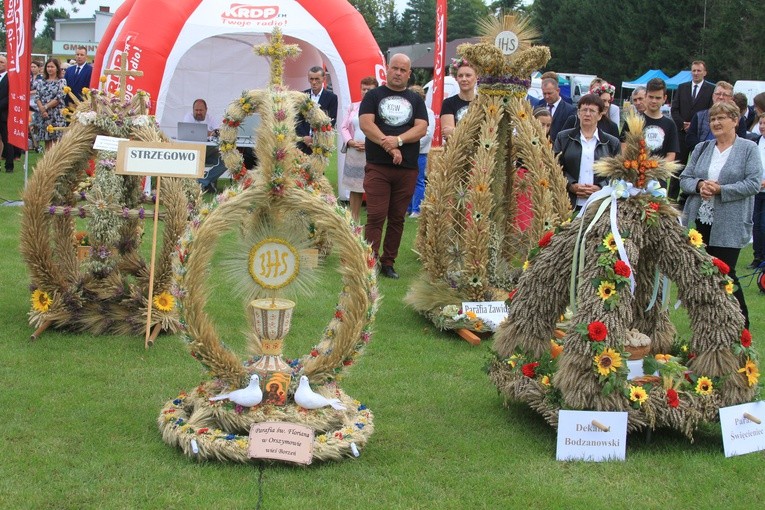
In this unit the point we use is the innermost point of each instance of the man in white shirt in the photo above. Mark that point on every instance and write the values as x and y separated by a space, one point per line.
199 114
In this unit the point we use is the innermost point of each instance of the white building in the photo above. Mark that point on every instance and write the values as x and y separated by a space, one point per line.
74 32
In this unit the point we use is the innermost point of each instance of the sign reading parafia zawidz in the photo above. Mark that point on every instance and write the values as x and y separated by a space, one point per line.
161 159
740 431
492 313
592 436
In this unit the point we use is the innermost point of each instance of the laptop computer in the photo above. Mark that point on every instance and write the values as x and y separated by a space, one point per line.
246 131
192 131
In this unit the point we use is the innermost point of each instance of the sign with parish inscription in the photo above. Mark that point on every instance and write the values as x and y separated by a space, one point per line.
742 427
281 441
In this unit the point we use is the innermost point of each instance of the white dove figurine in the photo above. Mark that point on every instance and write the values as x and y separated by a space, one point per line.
247 397
307 398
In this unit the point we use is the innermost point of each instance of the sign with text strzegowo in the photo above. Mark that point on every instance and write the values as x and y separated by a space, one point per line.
161 159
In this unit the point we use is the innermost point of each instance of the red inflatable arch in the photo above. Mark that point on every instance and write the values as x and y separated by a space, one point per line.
189 49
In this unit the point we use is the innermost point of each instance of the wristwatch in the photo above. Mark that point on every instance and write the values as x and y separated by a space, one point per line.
400 141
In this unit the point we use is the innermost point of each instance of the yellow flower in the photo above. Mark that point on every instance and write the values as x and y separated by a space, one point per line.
608 361
729 287
49 129
164 302
663 358
609 242
470 314
704 386
544 183
545 380
526 265
67 90
694 237
41 301
480 188
606 290
512 361
751 371
322 438
85 90
638 394
102 79
478 326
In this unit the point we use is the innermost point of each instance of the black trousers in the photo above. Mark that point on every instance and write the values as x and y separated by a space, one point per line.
730 257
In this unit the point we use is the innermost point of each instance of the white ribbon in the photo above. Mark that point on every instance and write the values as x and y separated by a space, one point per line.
617 189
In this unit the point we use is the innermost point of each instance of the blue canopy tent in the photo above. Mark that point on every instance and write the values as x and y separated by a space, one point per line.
653 73
676 80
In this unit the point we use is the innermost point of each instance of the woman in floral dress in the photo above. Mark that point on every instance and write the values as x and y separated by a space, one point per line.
50 101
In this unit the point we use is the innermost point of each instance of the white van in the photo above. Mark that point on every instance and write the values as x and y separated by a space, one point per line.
749 87
579 83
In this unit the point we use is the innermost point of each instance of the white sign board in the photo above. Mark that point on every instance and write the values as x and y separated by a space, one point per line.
281 441
161 159
740 431
490 312
108 143
593 436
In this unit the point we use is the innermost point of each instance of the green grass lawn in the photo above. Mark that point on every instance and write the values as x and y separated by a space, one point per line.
79 421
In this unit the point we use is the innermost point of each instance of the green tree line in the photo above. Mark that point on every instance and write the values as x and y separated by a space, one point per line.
616 39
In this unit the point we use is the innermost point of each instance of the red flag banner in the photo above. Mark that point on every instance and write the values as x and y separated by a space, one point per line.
18 23
439 67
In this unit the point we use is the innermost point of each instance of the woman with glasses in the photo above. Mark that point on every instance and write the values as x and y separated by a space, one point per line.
580 147
605 91
699 130
721 179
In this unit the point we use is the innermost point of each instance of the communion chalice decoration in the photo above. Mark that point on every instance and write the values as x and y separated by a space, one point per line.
273 217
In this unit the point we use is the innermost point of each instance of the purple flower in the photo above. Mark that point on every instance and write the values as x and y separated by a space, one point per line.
67 210
103 252
125 212
141 213
52 209
83 213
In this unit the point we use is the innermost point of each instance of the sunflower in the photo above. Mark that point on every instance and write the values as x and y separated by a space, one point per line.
606 290
41 301
694 237
608 361
609 242
751 371
704 386
638 394
164 302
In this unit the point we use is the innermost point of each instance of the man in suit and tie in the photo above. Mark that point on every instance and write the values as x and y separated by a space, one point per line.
325 99
558 108
8 151
78 76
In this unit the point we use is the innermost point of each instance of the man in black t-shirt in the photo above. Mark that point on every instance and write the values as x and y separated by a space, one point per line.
393 120
659 132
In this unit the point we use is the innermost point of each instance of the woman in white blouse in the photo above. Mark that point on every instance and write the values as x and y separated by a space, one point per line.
721 179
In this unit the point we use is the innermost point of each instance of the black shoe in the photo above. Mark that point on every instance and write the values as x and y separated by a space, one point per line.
9 170
389 272
755 264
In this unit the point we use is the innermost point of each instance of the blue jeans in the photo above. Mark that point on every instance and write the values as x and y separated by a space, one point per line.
419 188
758 231
212 174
